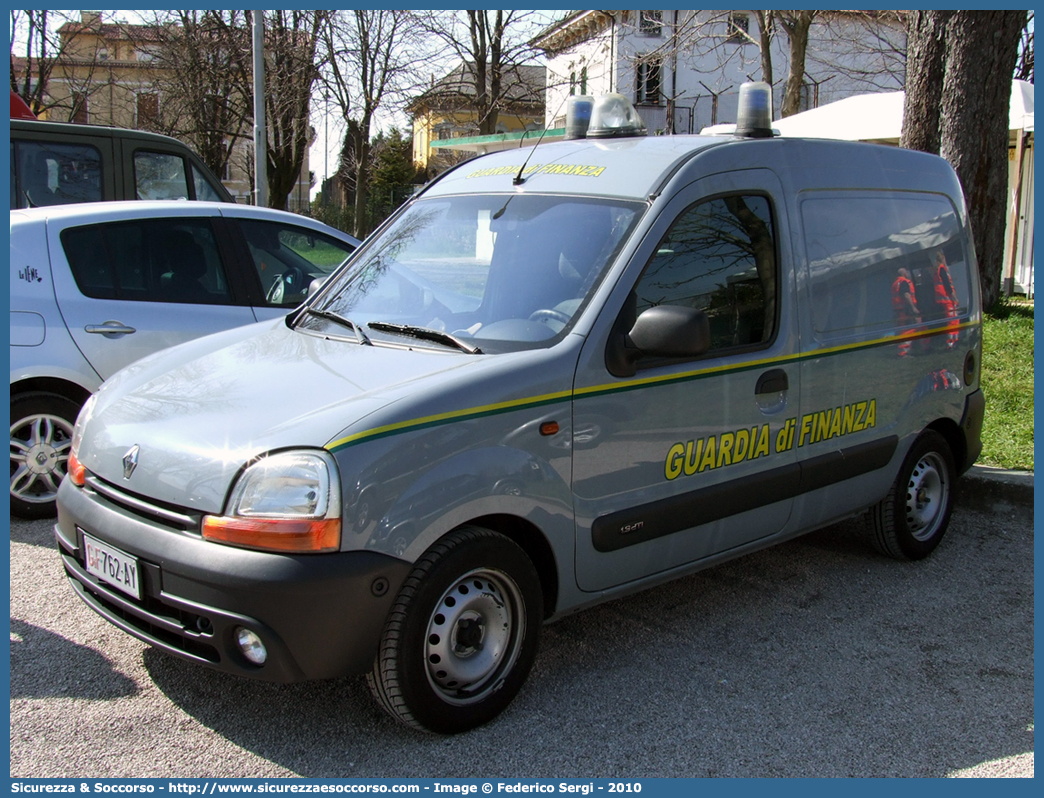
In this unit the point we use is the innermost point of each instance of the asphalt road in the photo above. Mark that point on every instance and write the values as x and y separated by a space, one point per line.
814 658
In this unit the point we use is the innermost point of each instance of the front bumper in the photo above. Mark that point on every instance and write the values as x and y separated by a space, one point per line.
320 615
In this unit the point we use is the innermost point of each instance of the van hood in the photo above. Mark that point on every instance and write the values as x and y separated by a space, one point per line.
199 411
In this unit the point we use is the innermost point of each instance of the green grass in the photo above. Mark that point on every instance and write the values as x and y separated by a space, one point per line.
1007 382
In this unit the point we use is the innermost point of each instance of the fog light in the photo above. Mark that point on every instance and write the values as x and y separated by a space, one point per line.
251 646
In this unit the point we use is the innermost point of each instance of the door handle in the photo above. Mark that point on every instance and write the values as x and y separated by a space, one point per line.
772 381
110 329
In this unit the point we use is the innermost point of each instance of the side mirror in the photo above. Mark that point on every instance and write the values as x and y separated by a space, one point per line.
670 331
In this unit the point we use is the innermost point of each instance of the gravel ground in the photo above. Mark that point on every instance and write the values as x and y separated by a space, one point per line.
813 658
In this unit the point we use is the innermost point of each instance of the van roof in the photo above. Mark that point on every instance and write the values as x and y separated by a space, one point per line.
636 168
624 167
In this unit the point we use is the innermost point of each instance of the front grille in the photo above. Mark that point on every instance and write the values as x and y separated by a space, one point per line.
156 620
161 619
143 621
162 514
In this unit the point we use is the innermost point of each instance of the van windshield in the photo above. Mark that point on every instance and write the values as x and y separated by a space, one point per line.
503 271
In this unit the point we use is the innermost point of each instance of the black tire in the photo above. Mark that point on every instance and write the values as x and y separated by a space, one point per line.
484 591
41 439
911 520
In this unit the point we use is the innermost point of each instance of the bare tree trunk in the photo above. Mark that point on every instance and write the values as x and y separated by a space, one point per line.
486 66
362 180
925 62
765 22
290 70
496 63
796 25
981 49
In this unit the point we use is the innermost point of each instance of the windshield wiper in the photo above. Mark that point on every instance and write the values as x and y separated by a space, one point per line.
337 318
426 334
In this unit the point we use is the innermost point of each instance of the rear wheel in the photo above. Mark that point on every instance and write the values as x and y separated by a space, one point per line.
911 520
41 439
462 635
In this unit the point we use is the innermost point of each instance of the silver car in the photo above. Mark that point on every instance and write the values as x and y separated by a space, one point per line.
95 287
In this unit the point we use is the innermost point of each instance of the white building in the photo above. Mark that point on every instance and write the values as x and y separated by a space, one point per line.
683 69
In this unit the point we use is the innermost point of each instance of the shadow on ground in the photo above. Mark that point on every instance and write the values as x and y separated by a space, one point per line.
83 672
814 658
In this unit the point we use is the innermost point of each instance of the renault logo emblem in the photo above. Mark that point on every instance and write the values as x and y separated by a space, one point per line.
130 461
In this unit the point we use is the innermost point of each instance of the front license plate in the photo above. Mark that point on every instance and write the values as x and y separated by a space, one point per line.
112 566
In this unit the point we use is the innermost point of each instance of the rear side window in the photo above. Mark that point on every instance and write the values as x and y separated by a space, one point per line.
880 261
159 176
204 190
55 174
719 256
148 260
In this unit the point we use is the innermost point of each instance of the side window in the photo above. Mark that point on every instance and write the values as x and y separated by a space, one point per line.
159 176
56 174
204 191
287 258
882 261
148 260
719 256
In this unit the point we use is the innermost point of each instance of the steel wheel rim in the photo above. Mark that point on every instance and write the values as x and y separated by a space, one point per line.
40 446
474 636
926 493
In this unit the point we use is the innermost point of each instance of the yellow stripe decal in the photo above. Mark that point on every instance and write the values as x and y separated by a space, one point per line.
439 419
454 415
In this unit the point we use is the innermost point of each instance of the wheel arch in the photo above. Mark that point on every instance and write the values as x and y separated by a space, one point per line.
532 541
70 390
951 432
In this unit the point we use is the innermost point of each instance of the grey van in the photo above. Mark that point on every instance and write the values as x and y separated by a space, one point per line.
53 163
559 375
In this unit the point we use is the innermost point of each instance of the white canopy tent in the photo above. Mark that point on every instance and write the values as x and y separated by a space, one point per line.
879 117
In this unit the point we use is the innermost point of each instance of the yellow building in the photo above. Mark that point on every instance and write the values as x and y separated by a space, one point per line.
108 74
447 111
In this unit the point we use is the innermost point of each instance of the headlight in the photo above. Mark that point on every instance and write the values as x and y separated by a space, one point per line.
289 502
77 473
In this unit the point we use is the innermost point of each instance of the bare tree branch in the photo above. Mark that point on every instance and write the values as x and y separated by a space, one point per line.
491 46
369 58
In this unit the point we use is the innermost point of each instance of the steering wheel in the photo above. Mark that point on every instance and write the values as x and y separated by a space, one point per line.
277 291
292 281
546 314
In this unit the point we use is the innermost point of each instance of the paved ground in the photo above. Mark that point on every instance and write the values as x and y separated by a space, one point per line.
815 658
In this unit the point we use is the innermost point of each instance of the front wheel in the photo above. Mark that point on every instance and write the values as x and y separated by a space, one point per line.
911 520
462 635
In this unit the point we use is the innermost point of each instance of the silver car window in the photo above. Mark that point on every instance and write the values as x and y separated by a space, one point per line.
148 260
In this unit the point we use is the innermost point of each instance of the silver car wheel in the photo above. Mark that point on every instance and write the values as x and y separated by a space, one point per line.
474 636
40 446
926 496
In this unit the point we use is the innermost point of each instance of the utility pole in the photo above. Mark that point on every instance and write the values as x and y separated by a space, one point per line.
260 142
326 148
